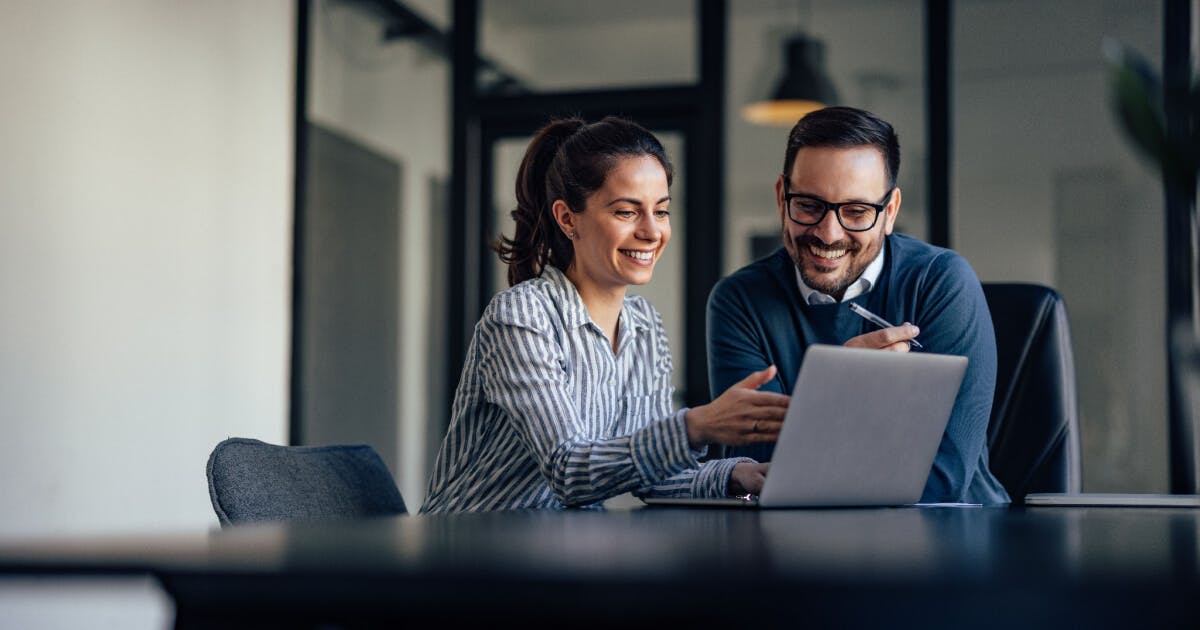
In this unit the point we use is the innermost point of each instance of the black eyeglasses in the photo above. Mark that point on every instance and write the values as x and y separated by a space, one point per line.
854 216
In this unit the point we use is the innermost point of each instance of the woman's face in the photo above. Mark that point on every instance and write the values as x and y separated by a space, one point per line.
624 226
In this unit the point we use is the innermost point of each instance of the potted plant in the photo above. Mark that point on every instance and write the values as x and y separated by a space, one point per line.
1142 101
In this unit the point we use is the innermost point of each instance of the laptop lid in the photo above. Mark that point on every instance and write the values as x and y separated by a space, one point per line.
862 427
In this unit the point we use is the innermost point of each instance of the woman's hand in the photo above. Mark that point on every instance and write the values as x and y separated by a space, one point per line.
742 415
747 478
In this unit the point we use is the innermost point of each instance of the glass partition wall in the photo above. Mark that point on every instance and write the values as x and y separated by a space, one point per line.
370 293
874 57
1044 186
550 46
532 60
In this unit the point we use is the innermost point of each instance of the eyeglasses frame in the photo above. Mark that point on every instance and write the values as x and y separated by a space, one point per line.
836 208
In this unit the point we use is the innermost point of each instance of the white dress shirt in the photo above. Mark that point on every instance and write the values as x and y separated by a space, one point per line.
865 282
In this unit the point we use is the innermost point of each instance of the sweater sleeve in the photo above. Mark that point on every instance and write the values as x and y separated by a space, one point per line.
736 345
954 319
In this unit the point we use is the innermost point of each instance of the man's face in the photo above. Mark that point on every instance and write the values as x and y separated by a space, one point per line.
829 257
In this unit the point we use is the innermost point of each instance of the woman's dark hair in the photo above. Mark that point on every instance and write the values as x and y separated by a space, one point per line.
568 159
843 128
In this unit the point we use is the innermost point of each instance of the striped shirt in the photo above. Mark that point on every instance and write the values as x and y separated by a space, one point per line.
547 416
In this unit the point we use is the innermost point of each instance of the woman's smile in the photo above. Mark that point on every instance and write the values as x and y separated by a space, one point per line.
640 256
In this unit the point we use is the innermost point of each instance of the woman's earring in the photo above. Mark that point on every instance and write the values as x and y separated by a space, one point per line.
571 234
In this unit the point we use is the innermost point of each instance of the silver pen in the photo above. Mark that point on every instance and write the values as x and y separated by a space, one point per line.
879 321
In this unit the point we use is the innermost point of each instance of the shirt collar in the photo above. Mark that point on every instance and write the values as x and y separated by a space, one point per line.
574 311
865 282
636 317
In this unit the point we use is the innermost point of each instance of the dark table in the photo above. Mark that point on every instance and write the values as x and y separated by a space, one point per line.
899 567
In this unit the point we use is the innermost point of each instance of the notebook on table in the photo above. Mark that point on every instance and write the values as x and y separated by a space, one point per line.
862 429
1104 499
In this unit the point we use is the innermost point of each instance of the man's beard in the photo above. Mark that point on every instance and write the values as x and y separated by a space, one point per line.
833 286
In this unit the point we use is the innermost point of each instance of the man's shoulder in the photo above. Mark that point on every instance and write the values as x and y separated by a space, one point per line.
759 278
910 250
938 280
911 255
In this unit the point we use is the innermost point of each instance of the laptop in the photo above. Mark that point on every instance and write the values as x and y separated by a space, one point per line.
862 429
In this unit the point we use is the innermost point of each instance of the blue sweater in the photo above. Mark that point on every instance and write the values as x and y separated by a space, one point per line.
757 317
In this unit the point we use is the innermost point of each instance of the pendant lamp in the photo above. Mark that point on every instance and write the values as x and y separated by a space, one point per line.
804 87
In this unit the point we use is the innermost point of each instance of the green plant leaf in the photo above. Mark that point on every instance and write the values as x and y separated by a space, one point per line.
1138 99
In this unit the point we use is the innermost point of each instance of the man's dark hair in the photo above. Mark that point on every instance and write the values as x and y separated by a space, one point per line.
843 128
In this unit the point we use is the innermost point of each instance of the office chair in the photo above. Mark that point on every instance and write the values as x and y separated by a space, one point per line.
1033 436
249 480
1184 430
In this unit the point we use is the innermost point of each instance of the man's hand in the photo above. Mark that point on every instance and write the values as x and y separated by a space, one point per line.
747 478
894 338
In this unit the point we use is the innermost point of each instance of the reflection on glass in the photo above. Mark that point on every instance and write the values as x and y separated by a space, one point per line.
875 59
1047 190
361 88
906 542
550 45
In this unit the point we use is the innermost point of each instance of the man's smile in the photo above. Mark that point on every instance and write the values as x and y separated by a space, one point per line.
827 253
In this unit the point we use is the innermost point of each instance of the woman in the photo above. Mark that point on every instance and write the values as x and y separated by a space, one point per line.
565 397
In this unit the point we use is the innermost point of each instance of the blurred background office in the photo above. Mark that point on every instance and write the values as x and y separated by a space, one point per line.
183 259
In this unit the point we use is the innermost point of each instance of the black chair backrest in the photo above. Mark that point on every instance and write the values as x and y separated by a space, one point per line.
1033 436
249 481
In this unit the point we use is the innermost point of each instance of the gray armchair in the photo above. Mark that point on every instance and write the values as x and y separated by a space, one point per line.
249 481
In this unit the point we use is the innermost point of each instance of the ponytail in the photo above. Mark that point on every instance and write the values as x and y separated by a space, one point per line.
538 240
567 159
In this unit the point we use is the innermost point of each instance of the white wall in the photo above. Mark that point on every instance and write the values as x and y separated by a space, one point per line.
145 220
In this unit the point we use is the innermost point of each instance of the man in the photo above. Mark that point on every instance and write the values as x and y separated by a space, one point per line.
837 201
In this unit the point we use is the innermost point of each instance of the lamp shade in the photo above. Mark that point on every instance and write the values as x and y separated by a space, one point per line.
804 86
